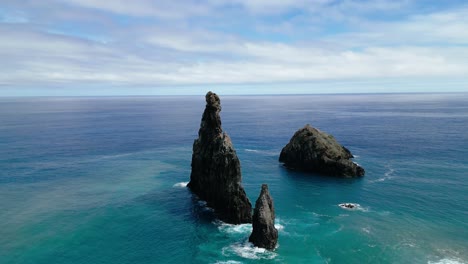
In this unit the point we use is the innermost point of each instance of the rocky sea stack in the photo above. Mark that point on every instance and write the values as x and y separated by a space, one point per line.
264 233
216 173
312 150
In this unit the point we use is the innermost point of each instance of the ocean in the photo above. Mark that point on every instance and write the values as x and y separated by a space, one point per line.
102 180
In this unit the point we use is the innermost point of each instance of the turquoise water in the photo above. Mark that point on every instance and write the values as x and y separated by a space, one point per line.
101 180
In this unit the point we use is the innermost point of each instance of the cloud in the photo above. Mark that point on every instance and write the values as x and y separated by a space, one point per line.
441 29
172 44
315 7
17 18
161 8
58 59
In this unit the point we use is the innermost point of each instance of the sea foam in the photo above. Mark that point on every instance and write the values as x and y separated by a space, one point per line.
249 251
387 176
355 207
447 261
234 229
263 152
180 184
242 228
204 206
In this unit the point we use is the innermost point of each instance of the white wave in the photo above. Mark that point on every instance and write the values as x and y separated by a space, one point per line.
209 209
116 156
387 176
228 262
366 230
278 224
384 213
205 206
235 229
321 215
362 209
353 207
338 230
249 251
389 172
264 152
242 228
447 261
409 244
251 150
180 184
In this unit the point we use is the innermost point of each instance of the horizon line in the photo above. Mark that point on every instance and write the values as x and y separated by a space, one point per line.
256 94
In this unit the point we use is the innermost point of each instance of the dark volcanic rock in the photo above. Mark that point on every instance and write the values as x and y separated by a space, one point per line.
264 233
315 151
216 175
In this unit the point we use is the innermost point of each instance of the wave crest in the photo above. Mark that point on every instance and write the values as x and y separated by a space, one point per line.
242 228
263 152
235 229
249 251
447 261
180 184
387 176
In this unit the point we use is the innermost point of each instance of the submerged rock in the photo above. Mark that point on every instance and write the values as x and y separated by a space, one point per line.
264 234
315 151
216 174
348 205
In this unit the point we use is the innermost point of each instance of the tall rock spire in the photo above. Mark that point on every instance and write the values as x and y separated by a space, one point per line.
216 174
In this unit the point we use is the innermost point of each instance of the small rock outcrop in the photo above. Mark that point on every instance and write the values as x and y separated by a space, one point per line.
216 174
264 234
312 150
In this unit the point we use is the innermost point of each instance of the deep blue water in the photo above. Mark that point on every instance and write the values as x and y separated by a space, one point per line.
100 180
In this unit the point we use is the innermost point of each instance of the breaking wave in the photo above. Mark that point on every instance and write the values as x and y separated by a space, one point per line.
242 228
180 184
249 251
387 176
447 261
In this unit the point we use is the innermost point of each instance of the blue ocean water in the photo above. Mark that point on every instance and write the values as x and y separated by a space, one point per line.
101 180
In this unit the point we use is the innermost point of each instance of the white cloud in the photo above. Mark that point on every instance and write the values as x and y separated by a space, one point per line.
54 59
192 41
161 8
442 28
13 18
186 8
421 46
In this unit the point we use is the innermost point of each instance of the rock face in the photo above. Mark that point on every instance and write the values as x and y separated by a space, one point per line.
264 233
315 151
216 174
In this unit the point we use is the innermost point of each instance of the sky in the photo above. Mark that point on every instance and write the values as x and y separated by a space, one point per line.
171 47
